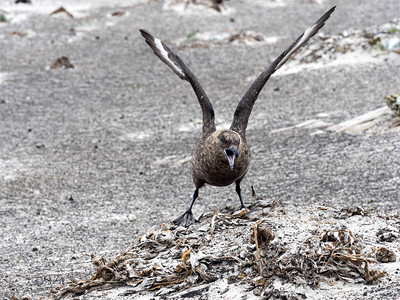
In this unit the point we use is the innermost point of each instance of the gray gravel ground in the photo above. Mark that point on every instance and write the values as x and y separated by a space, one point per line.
78 146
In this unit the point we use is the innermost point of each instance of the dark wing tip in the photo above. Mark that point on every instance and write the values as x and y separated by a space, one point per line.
149 38
321 21
303 38
146 34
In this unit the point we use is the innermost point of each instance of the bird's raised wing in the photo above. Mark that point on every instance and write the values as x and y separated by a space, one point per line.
177 65
243 110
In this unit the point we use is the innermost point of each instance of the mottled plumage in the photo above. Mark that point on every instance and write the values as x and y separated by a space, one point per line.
223 157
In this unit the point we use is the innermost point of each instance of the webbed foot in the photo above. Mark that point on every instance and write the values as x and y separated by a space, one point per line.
185 220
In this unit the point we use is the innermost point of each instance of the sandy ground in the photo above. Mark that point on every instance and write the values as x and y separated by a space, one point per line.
93 156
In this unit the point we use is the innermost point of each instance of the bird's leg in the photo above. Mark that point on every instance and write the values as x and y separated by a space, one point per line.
187 218
238 191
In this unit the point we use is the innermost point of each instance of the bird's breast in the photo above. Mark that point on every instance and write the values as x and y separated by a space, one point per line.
210 165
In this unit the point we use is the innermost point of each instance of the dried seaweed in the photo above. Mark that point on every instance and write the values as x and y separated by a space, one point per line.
377 40
393 101
197 39
385 255
351 211
386 235
62 62
62 10
20 33
240 247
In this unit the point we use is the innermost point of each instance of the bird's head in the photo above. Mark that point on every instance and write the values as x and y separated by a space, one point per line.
230 142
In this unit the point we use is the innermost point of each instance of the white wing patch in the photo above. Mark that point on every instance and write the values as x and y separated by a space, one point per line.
307 34
164 55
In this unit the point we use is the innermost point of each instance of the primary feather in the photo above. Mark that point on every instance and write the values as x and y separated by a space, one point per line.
163 52
245 106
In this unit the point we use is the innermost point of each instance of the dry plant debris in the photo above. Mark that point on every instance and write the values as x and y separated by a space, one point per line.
376 40
62 62
62 10
20 33
252 248
385 255
386 235
393 101
199 39
244 37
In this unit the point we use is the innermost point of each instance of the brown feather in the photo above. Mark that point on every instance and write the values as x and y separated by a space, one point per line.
210 165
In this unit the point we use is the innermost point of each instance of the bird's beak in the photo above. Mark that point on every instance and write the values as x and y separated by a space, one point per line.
231 154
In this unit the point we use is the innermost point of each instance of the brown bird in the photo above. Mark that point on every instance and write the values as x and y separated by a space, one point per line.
223 157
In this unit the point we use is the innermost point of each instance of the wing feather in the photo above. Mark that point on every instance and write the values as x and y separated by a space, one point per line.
178 66
245 106
163 52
